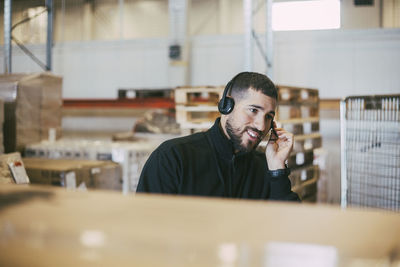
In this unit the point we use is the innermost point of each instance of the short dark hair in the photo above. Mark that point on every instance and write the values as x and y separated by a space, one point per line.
256 81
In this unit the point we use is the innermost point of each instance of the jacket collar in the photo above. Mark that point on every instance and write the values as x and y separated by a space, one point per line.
220 142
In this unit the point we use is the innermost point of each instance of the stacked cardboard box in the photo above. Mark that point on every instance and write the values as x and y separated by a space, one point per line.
130 155
74 173
33 105
1 126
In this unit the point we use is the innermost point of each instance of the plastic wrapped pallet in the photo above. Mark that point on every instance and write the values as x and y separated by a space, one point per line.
130 155
32 107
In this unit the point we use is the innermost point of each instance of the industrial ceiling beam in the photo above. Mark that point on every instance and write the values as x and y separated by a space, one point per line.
269 42
7 36
49 43
250 36
248 29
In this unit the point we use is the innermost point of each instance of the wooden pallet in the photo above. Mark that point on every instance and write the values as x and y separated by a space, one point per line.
308 190
186 115
302 175
200 95
297 111
289 94
197 107
300 126
307 141
300 159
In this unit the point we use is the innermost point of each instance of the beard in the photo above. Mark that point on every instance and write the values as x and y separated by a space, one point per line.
236 135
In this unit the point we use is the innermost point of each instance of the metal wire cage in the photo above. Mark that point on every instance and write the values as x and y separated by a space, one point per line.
370 151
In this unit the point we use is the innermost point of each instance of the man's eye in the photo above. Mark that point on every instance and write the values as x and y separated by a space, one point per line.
253 110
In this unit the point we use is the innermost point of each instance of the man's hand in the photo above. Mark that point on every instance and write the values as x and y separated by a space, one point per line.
277 152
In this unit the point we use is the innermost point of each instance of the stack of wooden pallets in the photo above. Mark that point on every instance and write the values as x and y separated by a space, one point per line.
298 112
197 107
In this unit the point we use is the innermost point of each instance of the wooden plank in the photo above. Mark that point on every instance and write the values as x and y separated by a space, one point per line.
196 108
300 176
299 120
297 94
198 95
183 116
307 183
287 112
307 189
307 136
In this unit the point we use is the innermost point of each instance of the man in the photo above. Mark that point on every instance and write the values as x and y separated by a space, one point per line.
223 162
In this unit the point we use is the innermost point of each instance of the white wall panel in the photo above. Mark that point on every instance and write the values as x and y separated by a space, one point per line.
337 62
98 69
340 63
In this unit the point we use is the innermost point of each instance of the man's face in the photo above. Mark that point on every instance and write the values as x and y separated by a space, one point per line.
250 120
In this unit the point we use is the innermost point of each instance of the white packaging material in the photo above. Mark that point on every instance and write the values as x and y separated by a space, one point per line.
130 155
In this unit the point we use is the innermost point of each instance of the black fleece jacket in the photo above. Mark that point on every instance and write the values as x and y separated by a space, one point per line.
203 164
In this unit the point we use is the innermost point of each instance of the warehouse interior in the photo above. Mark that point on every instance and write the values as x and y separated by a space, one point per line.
90 88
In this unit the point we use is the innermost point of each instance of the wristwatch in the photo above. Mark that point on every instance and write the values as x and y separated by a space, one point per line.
280 172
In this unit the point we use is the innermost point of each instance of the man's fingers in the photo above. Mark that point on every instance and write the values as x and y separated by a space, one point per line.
282 133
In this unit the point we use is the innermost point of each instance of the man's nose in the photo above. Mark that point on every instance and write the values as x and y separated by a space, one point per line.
260 123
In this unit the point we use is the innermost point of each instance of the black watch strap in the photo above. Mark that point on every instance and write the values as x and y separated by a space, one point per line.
279 172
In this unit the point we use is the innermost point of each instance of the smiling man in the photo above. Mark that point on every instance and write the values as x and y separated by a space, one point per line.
223 161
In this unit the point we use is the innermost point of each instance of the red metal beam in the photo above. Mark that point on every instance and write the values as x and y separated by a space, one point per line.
167 103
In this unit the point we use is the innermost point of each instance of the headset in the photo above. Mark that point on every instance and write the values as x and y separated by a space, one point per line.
226 104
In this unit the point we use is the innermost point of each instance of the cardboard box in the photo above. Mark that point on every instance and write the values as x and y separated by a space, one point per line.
107 176
1 111
73 173
1 125
33 105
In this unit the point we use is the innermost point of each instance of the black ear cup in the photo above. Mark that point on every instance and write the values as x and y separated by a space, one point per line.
225 105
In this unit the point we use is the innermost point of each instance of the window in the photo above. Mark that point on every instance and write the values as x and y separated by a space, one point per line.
306 15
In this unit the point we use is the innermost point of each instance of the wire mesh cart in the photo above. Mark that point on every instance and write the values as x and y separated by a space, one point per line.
370 151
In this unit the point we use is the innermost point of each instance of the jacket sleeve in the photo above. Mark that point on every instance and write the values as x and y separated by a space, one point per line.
160 174
281 186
